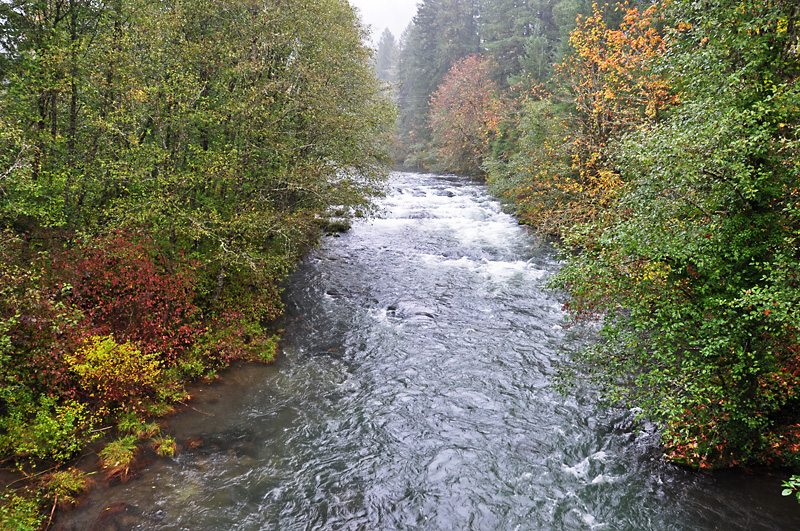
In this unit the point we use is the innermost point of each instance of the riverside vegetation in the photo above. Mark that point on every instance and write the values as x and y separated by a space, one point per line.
659 141
163 165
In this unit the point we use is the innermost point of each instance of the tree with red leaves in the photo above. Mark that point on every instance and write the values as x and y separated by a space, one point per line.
459 111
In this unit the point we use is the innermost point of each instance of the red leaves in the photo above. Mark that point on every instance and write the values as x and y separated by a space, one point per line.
460 112
127 288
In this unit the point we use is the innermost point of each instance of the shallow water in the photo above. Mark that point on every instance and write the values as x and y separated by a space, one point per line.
415 392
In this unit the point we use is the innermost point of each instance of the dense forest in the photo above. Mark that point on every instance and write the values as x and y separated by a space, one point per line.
658 141
163 165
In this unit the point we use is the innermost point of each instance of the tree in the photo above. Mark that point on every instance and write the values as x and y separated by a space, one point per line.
611 80
520 35
442 31
560 174
387 57
163 165
459 114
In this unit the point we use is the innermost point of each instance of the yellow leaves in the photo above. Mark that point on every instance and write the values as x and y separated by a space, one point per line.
116 371
609 72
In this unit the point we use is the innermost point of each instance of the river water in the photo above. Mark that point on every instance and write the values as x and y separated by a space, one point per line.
415 391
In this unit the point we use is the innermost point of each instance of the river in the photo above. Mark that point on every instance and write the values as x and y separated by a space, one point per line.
415 391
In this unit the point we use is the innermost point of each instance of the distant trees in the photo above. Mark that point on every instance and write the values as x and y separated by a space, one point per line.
443 31
524 38
387 57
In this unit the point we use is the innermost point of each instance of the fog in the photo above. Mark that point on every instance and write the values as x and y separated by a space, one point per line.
382 14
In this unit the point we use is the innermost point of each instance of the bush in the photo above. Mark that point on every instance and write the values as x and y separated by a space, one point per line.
165 446
127 288
43 429
119 373
36 321
19 513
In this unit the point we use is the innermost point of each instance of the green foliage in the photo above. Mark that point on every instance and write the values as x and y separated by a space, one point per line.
694 270
527 37
165 446
19 513
65 486
537 175
792 486
129 423
42 429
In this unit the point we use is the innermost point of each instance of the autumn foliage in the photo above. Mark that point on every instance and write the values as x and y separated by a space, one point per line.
114 372
693 268
125 287
612 78
459 114
559 173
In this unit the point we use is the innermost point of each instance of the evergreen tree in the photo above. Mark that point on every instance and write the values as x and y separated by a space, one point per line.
442 32
387 57
527 37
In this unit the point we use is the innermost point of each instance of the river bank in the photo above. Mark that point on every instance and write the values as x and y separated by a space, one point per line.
414 391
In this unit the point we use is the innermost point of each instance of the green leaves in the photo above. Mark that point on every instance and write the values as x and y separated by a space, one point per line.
695 272
224 131
792 486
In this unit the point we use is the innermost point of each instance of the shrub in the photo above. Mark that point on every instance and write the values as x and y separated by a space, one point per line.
127 288
19 513
36 321
119 373
43 429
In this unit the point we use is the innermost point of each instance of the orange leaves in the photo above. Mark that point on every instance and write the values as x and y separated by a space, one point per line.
609 72
611 80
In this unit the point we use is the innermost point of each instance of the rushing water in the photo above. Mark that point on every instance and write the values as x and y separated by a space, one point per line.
415 392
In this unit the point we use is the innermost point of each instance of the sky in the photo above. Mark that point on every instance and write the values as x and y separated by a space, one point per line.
382 14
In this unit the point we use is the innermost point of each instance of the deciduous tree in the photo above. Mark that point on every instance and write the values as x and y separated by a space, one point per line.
459 114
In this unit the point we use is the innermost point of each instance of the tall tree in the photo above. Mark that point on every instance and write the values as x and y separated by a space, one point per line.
521 35
387 57
459 114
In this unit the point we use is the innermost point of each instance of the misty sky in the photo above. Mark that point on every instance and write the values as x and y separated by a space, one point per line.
380 14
